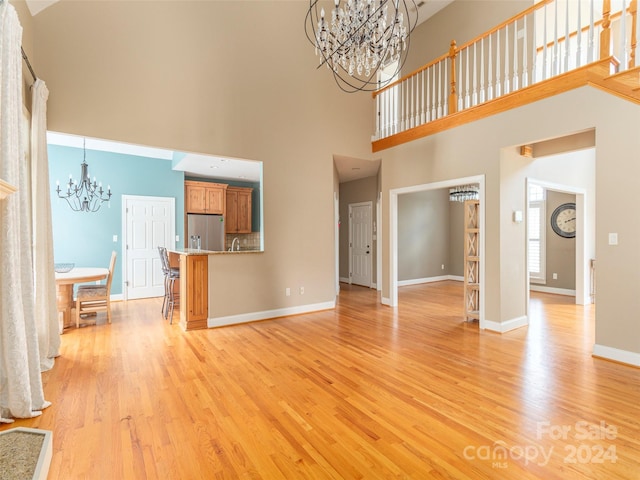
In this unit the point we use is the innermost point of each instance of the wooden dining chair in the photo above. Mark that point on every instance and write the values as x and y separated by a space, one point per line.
96 298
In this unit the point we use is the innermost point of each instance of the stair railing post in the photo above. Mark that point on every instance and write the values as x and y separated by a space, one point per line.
453 96
605 34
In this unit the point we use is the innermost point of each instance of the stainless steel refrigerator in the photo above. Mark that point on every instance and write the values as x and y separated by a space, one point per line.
209 229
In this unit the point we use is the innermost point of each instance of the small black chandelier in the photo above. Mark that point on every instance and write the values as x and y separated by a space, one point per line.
84 196
362 37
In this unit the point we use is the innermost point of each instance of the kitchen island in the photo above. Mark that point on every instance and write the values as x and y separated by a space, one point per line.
194 284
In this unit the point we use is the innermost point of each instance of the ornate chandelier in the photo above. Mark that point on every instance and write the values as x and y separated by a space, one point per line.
464 192
84 196
362 37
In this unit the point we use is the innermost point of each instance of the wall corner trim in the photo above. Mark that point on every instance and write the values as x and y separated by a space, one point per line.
617 355
507 325
269 314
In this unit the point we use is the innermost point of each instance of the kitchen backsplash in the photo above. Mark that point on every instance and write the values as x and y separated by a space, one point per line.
248 241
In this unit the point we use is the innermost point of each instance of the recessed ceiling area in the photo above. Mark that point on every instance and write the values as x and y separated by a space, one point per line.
192 164
350 169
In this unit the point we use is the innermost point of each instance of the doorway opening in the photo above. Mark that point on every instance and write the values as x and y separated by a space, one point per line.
395 242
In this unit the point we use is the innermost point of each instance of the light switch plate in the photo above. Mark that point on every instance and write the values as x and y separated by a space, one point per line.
613 239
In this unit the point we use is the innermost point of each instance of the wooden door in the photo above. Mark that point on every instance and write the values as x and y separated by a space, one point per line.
196 196
216 200
231 220
244 211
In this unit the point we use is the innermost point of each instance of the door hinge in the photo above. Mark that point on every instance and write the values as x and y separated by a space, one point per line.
350 274
126 283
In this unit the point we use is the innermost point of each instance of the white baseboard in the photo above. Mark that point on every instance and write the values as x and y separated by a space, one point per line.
344 280
117 297
417 281
557 291
280 312
506 326
385 301
622 356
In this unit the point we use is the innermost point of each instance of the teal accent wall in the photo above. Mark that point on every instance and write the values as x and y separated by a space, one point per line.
256 197
86 239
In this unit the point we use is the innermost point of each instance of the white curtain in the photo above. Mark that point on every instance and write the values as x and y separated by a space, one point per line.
21 393
46 313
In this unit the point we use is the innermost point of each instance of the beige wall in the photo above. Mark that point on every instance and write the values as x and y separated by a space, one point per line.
423 234
215 78
461 21
456 239
363 190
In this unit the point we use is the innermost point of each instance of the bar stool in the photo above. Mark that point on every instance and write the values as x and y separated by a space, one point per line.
171 274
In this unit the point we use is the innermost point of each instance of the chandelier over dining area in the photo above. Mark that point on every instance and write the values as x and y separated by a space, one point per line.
84 195
360 37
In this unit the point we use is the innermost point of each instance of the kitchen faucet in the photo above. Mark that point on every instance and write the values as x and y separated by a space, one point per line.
233 244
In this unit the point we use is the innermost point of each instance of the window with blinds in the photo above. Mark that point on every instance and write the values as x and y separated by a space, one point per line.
536 232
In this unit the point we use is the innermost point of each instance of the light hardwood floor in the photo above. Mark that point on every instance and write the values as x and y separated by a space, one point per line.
364 391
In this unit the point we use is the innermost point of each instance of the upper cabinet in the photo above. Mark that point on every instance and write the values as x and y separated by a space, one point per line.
238 217
205 197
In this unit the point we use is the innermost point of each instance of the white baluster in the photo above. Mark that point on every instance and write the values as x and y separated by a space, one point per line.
566 38
545 57
482 84
556 63
445 99
624 48
439 111
425 96
459 95
474 98
434 111
467 94
416 117
525 53
579 37
590 40
507 87
514 84
498 79
490 72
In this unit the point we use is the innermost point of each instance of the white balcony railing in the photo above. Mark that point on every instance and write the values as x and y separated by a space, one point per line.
546 40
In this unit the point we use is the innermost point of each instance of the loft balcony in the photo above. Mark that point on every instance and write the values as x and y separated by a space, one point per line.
550 48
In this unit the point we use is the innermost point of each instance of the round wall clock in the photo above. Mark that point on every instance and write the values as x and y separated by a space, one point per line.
563 220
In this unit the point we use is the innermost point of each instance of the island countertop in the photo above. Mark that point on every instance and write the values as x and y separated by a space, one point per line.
195 251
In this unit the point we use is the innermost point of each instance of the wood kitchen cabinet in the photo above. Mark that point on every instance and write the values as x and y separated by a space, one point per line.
205 197
194 291
238 217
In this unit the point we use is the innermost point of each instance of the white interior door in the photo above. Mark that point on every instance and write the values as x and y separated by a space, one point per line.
360 246
149 224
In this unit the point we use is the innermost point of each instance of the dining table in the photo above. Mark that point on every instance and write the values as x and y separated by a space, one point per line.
64 289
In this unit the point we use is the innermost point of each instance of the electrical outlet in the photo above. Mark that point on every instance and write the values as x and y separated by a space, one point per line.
301 290
442 267
115 238
555 276
287 292
177 238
